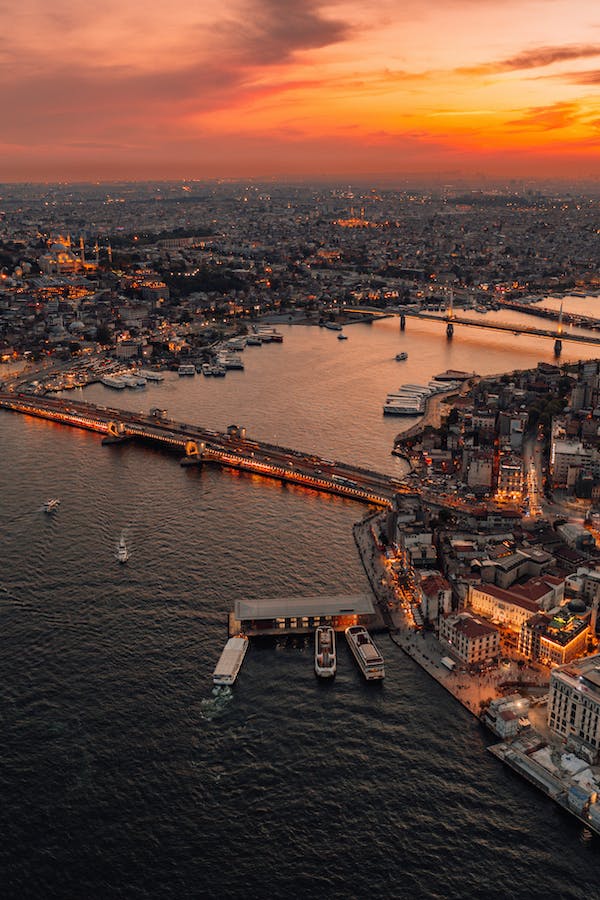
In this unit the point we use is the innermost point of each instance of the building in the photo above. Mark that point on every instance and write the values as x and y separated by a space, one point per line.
301 614
510 477
554 639
574 704
436 596
470 638
502 607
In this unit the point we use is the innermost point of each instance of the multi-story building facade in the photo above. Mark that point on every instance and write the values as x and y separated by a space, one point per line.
574 704
554 639
501 606
469 637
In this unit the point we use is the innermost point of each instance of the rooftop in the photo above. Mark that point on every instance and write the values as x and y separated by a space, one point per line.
289 607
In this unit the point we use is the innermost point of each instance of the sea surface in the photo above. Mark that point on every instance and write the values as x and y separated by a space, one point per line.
123 776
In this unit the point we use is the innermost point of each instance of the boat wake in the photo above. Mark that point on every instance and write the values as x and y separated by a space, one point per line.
214 707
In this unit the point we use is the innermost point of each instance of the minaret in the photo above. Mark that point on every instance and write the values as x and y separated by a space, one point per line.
97 252
81 250
109 251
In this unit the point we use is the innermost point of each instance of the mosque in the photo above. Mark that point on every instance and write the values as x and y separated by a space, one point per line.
61 258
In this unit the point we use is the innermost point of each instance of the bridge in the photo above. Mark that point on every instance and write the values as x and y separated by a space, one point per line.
200 446
452 319
555 334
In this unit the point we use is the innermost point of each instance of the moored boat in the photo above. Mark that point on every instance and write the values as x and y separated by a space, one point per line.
231 660
325 656
365 652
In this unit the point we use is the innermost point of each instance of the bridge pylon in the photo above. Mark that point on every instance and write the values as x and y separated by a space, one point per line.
193 453
116 433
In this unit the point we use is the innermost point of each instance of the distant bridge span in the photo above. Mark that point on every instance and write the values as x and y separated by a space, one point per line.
555 334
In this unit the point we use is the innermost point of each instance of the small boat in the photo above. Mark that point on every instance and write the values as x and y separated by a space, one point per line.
51 505
342 337
325 658
122 551
400 357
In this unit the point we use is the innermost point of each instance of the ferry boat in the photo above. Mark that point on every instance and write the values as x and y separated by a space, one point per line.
122 551
394 409
51 505
453 375
325 658
133 381
230 360
151 376
231 660
186 369
400 357
365 652
113 381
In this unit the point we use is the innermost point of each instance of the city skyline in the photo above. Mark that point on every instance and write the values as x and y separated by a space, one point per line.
259 89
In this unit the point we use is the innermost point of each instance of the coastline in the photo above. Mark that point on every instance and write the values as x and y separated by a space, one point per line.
423 647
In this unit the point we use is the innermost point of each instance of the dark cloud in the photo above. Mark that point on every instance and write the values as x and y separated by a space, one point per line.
273 30
534 59
590 77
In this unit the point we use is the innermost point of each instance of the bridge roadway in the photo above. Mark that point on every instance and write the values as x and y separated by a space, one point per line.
472 323
256 457
505 326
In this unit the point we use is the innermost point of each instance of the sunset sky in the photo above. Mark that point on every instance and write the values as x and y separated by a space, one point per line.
135 89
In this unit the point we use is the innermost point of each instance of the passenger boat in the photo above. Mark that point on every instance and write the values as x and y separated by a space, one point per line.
325 658
365 652
51 505
231 660
151 376
122 551
113 381
186 369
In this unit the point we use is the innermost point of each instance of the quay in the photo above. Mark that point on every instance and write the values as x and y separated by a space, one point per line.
302 615
529 754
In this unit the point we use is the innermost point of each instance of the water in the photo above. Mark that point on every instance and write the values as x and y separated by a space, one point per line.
124 776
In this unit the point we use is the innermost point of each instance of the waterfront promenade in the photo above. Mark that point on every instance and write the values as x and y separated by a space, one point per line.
472 690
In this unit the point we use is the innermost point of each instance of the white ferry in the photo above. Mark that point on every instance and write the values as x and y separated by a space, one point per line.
325 658
231 660
365 652
113 381
151 376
